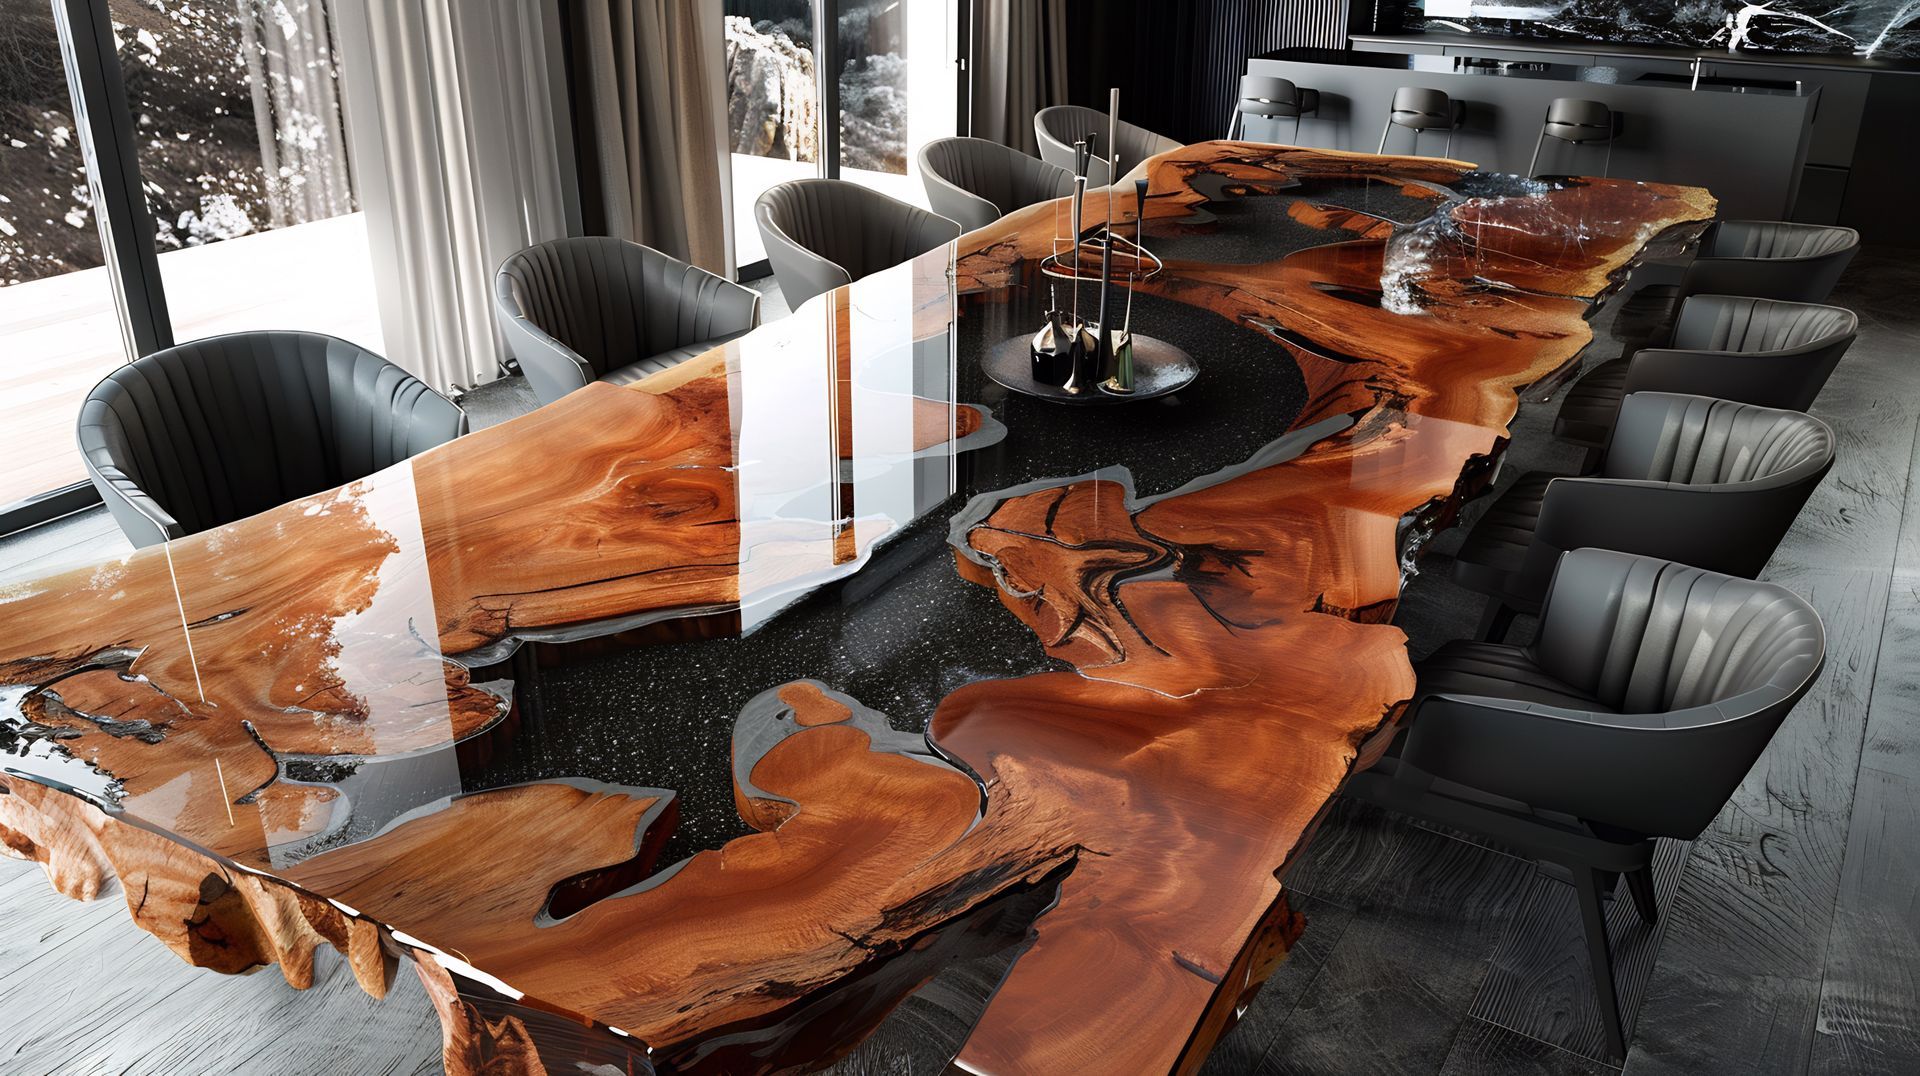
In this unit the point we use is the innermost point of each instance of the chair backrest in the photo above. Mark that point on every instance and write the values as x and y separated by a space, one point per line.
1741 323
1269 96
1701 668
1057 128
1698 441
1422 109
974 182
1771 259
822 233
1575 119
608 301
218 429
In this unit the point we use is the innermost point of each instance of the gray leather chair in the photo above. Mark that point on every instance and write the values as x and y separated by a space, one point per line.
1651 690
974 182
1757 351
1577 122
823 233
1270 98
596 308
199 435
1707 482
1418 109
1059 127
1764 259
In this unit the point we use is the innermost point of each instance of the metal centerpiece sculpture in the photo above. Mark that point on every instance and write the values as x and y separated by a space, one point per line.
1075 360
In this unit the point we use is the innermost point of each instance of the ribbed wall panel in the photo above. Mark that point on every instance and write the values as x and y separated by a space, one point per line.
1236 30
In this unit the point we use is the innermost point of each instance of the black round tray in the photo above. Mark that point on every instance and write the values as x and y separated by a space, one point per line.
1158 369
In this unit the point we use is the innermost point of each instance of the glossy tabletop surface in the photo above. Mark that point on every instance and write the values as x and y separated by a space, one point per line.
696 724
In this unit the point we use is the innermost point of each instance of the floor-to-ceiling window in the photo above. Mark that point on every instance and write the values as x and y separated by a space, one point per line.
59 330
887 68
226 120
241 140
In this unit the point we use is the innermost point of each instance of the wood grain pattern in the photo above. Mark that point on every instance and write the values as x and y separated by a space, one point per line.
1231 665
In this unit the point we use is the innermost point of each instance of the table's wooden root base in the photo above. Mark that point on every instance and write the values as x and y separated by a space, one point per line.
231 921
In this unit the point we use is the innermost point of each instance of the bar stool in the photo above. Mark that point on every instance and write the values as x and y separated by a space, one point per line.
1419 109
1271 99
1577 121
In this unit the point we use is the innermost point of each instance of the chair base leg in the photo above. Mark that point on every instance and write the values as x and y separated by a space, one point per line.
1593 915
1640 884
1495 621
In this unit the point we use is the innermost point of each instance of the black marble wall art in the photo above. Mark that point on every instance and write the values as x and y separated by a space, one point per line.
1866 28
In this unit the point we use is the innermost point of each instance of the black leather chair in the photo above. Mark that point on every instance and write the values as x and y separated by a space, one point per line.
199 435
1764 259
1269 98
1757 351
1650 692
974 182
1059 127
595 308
1706 482
1418 109
823 233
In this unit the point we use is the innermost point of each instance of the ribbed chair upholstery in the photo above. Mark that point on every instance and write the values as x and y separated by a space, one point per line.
1059 127
1649 693
199 435
974 182
1764 259
1758 351
596 308
1706 482
823 233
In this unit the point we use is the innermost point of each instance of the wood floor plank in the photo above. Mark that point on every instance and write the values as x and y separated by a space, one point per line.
1741 960
1539 984
1854 519
1397 986
1484 1049
1868 1021
1241 1049
95 994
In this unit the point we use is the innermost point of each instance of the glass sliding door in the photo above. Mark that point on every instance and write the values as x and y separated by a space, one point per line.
892 66
897 89
241 142
773 105
58 320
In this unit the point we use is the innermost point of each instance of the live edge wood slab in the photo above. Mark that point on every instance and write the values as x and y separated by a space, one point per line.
292 764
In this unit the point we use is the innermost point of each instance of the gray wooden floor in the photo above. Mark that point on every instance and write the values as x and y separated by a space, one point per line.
1787 944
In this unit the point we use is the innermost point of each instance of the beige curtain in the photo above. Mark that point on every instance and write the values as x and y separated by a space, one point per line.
654 124
459 162
1019 67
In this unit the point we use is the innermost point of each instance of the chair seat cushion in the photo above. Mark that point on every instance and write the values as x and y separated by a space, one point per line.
1592 404
1496 670
666 360
1494 552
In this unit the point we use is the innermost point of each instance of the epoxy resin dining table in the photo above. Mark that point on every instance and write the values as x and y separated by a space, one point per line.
726 721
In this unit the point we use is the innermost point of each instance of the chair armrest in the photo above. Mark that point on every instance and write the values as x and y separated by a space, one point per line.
1786 377
1717 528
927 231
552 368
140 517
735 310
970 210
1665 774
